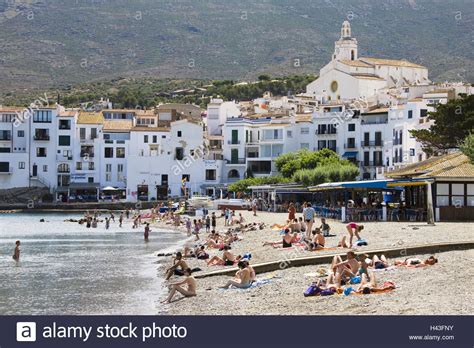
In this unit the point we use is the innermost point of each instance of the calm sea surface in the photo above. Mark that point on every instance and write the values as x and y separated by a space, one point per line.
66 268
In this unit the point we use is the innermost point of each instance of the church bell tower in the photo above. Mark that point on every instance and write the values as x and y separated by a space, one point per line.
346 47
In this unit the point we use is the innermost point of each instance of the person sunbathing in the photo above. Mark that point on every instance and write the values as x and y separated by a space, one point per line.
318 240
287 241
380 263
189 291
242 278
342 271
368 285
228 259
179 265
253 276
343 243
414 261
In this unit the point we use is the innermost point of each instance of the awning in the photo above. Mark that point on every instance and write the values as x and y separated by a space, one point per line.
350 154
84 185
410 182
109 188
364 184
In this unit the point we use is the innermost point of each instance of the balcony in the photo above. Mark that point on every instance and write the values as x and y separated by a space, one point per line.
237 161
326 131
88 154
61 158
89 140
41 137
371 143
233 142
350 146
371 164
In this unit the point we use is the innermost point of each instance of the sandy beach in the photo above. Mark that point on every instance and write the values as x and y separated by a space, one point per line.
439 289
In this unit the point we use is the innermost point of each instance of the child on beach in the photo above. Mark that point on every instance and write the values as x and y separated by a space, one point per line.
189 291
16 252
324 227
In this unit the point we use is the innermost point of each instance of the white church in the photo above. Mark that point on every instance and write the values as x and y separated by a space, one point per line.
349 76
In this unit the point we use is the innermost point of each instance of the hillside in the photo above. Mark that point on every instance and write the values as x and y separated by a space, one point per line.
46 43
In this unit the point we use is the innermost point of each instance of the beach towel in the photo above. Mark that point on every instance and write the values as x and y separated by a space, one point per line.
293 245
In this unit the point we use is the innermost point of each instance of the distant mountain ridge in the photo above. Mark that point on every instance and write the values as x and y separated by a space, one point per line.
46 43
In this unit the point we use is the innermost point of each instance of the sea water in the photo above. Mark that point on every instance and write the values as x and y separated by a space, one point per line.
66 268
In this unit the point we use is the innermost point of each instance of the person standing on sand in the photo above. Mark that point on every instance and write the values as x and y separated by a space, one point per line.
190 290
308 213
107 223
147 232
353 228
291 212
213 221
127 213
120 219
16 252
208 224
254 207
188 226
112 217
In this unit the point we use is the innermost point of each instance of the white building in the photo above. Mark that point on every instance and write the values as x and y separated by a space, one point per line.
348 76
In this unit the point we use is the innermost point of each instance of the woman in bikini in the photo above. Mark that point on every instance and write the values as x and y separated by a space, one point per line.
189 291
416 262
354 228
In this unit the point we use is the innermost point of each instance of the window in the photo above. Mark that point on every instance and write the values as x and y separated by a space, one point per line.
64 124
180 134
351 127
21 165
93 133
410 113
304 146
45 168
179 154
470 194
289 134
42 116
457 191
41 134
40 152
90 180
120 176
120 152
108 176
78 165
91 165
155 139
412 152
108 168
423 113
442 195
5 135
4 167
350 143
64 140
305 130
210 174
145 139
82 133
21 134
109 152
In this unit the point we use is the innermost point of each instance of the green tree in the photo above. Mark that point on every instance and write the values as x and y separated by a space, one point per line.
467 147
453 122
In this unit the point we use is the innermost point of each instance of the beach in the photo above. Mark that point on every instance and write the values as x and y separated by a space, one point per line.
442 289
